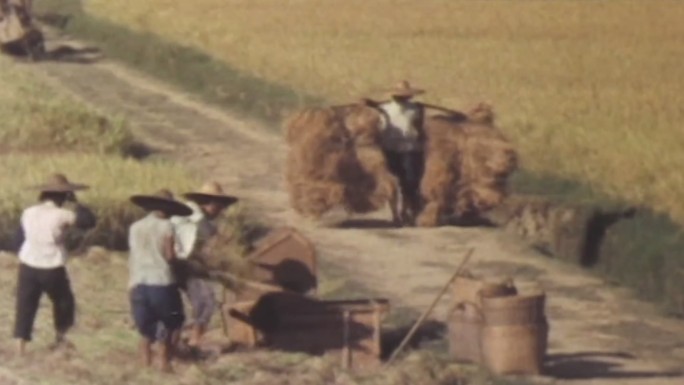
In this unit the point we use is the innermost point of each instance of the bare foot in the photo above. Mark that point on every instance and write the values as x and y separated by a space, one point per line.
21 347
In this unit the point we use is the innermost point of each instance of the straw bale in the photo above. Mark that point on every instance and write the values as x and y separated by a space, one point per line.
334 160
369 184
467 165
226 251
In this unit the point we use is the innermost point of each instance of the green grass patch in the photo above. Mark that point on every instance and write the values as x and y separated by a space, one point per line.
36 118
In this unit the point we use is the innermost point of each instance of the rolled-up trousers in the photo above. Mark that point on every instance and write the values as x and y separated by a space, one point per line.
32 283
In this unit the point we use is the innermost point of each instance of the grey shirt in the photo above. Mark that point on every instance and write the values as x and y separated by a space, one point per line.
146 263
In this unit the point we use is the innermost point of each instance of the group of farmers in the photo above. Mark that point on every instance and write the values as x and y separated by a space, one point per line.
171 232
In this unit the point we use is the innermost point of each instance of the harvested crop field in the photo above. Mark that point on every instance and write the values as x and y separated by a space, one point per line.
587 90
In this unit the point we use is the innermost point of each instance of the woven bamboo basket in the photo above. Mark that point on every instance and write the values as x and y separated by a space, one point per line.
514 310
515 349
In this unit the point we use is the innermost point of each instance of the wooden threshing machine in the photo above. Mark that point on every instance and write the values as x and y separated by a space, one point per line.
287 314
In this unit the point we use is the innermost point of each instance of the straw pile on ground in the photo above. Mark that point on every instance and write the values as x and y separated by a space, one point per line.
468 161
335 161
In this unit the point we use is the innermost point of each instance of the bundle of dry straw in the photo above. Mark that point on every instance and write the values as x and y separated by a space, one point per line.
335 160
468 161
223 257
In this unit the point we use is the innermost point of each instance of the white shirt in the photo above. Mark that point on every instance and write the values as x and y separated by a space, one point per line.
400 131
191 230
44 226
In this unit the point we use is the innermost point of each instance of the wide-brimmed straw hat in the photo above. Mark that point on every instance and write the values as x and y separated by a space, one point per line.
59 183
211 191
162 201
404 88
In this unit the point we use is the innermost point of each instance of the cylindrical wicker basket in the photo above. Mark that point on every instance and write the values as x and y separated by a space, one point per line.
514 310
515 349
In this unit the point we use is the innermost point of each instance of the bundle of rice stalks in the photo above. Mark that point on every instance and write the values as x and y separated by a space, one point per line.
467 165
335 160
223 256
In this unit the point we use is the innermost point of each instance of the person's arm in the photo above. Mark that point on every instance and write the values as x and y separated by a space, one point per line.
18 239
85 217
169 248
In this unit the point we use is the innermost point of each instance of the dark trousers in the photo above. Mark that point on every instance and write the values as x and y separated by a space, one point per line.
32 283
156 310
408 167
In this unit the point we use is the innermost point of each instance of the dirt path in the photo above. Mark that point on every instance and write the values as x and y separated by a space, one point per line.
599 334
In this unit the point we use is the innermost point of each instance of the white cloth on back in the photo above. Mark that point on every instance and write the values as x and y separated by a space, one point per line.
44 226
191 230
400 126
146 263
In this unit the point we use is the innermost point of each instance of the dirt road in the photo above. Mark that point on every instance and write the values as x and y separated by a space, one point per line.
599 334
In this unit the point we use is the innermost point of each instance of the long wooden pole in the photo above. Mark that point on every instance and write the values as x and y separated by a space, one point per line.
427 312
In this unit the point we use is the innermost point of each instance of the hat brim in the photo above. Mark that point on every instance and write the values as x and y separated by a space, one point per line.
153 203
410 92
225 200
62 188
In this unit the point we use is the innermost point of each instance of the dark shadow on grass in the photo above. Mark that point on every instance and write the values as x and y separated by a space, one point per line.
470 221
138 150
365 224
596 230
598 365
69 54
430 330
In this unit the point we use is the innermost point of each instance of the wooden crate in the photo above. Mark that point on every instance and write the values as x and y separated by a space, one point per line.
283 258
350 330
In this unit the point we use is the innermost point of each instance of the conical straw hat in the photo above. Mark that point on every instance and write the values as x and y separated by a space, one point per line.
211 191
163 201
59 183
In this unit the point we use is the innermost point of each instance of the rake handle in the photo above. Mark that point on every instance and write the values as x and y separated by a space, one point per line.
427 312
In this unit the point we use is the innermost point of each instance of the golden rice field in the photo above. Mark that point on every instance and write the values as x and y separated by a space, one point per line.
588 90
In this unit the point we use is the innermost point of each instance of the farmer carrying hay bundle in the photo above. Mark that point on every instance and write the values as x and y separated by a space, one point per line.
449 166
403 143
192 233
154 293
